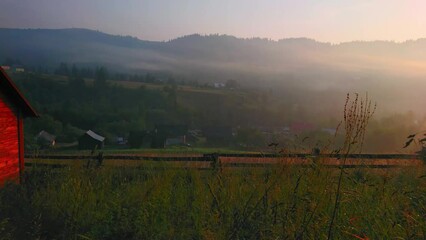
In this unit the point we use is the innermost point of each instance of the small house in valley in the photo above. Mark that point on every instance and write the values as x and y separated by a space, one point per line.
168 135
90 141
45 139
13 109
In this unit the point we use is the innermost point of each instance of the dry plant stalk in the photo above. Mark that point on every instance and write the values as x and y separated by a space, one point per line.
356 115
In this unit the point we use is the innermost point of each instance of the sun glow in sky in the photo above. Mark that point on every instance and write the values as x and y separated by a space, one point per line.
324 20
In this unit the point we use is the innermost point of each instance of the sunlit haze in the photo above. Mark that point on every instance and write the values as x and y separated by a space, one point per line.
212 119
328 21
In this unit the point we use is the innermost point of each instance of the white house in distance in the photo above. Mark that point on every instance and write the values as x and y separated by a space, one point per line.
219 85
19 69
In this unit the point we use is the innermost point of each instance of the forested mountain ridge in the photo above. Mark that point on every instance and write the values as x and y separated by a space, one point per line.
220 56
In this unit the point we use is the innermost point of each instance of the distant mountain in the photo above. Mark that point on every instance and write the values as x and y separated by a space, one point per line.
393 73
49 47
216 56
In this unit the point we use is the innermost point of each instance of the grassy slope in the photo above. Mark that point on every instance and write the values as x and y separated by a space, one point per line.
187 96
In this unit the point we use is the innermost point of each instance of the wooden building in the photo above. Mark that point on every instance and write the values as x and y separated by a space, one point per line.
91 141
167 135
45 139
13 109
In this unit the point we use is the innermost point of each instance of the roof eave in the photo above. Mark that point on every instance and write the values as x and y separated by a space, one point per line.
27 110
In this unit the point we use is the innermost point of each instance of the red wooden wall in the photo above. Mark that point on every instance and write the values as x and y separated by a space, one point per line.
9 141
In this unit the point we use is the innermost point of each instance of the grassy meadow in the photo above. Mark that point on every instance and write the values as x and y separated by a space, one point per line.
156 202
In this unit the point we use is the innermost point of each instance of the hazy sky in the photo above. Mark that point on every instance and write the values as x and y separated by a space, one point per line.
323 20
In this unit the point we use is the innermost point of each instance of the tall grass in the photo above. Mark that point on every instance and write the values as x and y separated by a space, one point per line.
356 115
265 203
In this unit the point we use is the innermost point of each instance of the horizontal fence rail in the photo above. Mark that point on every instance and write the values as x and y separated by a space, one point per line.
208 157
234 160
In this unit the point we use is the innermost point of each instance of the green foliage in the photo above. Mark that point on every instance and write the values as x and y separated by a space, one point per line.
45 122
62 69
162 203
232 84
69 134
250 137
136 138
101 76
67 109
171 92
5 233
76 83
388 134
121 107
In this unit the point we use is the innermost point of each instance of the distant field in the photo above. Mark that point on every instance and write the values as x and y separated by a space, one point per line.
188 96
136 84
181 88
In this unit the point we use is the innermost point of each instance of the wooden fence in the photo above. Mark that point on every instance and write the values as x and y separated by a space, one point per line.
232 160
